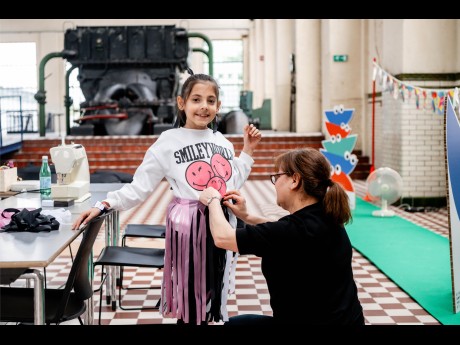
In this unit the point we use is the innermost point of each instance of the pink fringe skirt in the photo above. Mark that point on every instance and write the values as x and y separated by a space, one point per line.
197 276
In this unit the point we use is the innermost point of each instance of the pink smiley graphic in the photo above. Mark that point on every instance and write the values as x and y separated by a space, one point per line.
218 184
198 175
221 166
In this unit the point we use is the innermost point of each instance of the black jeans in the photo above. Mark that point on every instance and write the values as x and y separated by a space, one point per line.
266 320
250 320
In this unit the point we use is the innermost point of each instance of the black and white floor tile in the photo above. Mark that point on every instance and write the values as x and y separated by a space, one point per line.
383 301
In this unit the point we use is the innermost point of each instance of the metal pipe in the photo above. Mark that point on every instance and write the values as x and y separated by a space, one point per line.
39 292
68 101
209 53
373 124
200 50
40 96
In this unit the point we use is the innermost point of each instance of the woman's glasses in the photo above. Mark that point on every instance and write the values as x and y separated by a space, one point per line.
275 177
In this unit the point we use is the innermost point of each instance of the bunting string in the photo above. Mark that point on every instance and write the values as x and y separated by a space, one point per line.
425 98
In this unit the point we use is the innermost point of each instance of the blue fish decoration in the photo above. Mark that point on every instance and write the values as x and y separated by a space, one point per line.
347 166
339 117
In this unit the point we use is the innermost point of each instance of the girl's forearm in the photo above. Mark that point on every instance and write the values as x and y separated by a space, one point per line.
248 151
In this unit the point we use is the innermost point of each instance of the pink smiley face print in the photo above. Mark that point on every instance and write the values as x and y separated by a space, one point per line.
218 184
221 166
198 175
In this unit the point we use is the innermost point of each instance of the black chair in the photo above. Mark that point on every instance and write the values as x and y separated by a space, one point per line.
143 230
139 231
17 303
124 256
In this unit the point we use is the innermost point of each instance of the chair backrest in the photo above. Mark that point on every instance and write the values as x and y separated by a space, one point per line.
78 278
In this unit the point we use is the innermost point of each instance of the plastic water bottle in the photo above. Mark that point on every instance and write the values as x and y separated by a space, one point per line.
45 179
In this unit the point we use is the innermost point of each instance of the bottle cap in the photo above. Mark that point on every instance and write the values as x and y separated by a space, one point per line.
45 157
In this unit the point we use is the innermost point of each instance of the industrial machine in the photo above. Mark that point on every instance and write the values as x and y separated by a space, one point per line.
129 76
72 170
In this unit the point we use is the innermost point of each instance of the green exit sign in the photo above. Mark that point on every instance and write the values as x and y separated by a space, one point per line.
340 58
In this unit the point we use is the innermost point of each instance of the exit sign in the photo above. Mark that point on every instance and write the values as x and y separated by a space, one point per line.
340 58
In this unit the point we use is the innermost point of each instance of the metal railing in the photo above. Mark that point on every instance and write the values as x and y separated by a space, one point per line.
11 121
21 121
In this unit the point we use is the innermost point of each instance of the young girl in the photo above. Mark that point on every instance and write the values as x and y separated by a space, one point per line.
191 157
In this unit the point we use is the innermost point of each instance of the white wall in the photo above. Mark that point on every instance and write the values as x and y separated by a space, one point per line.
343 84
308 82
429 46
284 47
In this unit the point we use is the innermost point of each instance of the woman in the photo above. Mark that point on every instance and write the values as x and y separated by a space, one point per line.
306 255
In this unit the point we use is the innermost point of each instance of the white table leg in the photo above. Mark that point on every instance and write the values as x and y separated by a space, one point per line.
112 234
39 295
88 315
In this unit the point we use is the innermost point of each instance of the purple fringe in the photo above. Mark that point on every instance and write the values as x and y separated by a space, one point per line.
181 220
187 218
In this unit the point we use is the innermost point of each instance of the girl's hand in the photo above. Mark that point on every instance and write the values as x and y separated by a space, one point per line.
85 217
208 193
251 138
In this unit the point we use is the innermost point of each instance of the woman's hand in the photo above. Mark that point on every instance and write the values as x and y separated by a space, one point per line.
237 203
85 217
251 138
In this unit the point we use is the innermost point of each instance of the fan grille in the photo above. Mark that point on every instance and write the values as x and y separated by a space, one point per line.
384 184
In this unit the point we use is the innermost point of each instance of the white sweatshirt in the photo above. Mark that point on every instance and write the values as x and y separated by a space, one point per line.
190 160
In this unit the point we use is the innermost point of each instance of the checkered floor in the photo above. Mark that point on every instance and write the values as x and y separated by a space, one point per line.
384 303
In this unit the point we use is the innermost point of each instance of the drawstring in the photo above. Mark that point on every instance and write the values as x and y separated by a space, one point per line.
214 125
177 123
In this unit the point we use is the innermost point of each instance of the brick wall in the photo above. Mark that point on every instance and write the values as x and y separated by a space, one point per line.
411 141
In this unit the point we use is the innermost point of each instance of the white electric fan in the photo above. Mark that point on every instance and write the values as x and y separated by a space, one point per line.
384 186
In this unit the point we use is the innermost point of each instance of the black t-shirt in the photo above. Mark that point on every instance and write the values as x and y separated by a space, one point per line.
306 262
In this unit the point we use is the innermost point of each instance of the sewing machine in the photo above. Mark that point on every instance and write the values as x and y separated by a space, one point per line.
72 172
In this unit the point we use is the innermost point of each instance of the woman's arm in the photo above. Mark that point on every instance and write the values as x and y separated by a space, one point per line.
237 203
222 232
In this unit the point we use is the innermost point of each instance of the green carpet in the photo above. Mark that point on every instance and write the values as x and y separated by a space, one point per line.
415 258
